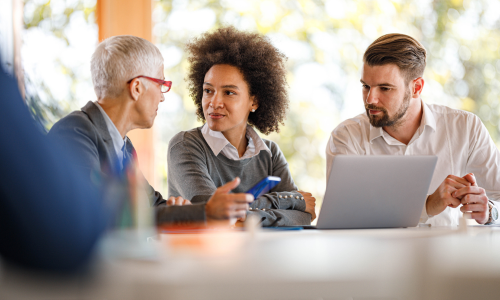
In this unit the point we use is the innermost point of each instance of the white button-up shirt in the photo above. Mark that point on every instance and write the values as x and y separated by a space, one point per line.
458 138
218 143
116 137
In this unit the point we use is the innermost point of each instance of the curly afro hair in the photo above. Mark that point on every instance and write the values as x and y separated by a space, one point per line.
262 66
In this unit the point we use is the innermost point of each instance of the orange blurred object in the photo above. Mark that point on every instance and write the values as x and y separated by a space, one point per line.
131 17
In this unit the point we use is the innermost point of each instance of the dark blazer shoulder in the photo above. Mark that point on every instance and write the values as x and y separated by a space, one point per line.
88 121
76 117
77 121
84 132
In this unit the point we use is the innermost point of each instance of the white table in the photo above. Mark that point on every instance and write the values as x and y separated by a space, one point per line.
412 263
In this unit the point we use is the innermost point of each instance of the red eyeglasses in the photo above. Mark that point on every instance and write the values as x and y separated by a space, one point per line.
165 85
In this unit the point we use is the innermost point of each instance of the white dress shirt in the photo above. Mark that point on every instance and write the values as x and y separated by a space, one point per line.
218 143
116 137
458 138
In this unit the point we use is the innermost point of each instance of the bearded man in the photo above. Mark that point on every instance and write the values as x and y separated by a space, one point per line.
398 122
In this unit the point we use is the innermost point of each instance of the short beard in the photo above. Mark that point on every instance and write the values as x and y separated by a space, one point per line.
384 120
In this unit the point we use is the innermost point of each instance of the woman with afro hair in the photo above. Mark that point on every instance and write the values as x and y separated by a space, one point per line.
238 82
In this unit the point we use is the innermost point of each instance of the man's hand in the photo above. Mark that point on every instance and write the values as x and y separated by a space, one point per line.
442 197
225 206
178 201
310 204
474 200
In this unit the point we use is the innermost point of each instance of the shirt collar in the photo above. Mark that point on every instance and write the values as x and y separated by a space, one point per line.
257 141
427 120
375 132
116 137
217 141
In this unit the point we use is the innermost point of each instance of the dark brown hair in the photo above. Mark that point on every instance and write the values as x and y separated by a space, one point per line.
262 66
399 49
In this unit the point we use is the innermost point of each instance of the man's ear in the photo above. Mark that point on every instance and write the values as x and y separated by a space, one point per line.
417 86
136 88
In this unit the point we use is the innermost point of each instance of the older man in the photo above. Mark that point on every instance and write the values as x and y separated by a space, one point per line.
127 73
398 122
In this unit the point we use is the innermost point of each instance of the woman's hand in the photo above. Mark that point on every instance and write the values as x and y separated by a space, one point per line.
310 204
178 201
224 205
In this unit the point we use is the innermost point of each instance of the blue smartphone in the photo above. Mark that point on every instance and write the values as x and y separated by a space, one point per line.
264 186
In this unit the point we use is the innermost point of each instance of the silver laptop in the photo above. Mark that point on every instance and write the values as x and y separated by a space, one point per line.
376 191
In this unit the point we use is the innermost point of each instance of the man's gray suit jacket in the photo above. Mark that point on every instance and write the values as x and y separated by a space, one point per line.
86 131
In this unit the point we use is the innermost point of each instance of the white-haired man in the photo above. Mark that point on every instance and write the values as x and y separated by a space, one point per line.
398 122
127 73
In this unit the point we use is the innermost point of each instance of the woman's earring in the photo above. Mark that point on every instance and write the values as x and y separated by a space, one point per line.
253 110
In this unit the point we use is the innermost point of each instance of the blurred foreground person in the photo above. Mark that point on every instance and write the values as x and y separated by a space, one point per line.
41 227
127 73
398 122
238 83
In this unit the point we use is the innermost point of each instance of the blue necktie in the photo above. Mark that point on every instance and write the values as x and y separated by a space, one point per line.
126 157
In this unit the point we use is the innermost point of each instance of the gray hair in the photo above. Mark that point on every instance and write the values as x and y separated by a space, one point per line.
120 58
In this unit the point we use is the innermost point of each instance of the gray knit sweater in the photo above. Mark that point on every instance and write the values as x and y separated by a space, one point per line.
194 173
